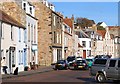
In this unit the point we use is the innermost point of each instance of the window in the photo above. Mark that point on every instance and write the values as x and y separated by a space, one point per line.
2 31
25 35
2 53
118 63
90 44
19 54
57 37
54 37
54 20
100 61
94 44
112 63
60 39
84 43
24 6
31 29
11 32
19 35
34 34
20 57
13 57
31 10
28 32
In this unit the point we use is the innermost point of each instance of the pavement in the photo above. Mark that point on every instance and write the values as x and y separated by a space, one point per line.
40 69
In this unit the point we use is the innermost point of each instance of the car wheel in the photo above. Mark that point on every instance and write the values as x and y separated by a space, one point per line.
100 78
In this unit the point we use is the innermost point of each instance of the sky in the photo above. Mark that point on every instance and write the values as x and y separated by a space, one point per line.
98 11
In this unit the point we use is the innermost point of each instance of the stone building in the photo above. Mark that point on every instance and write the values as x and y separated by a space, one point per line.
69 37
115 31
43 14
57 21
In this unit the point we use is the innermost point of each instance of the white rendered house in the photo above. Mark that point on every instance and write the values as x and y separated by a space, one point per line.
12 43
31 34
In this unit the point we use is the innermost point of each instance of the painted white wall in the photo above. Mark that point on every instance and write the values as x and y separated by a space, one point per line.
99 48
33 37
54 55
104 25
87 48
6 42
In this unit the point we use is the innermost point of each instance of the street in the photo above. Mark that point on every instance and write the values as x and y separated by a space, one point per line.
56 76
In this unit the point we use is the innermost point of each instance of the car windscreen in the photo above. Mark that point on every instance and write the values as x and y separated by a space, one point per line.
60 62
100 61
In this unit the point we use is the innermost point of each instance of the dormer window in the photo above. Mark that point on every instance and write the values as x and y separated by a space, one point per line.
24 6
31 10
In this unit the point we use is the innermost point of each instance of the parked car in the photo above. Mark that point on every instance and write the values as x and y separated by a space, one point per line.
71 60
80 64
106 69
102 56
61 64
89 62
78 58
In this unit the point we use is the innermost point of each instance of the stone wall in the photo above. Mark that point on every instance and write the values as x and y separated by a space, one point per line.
43 14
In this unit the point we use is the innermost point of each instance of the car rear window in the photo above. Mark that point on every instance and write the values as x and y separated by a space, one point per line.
80 61
100 61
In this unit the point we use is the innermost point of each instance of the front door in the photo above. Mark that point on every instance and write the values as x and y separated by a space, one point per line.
84 53
11 58
112 71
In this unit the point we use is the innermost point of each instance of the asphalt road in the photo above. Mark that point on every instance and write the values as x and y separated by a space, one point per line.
56 76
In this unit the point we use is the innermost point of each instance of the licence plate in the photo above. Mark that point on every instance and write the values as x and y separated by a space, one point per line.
80 66
59 64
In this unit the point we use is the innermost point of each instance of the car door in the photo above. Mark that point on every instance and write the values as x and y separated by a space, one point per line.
112 71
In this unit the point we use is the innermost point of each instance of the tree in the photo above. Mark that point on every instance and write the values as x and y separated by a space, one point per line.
84 22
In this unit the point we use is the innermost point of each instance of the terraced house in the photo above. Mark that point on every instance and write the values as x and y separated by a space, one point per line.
12 43
49 32
14 34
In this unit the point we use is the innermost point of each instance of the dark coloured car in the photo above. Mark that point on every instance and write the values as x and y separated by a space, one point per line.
102 56
80 64
71 60
61 64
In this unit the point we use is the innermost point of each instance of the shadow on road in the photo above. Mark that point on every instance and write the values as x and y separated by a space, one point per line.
91 80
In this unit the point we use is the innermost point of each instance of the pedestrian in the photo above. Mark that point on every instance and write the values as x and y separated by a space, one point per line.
3 64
